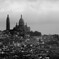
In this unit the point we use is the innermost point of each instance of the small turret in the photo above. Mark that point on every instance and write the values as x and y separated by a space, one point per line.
21 16
16 25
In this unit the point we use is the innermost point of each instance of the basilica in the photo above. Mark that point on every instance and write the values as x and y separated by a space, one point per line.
20 28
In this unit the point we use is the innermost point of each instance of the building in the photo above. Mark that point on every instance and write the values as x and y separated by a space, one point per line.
20 28
8 23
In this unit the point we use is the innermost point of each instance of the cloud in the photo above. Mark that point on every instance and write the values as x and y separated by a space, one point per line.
45 5
39 6
36 12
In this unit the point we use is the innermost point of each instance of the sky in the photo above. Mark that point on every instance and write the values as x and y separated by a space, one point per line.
40 15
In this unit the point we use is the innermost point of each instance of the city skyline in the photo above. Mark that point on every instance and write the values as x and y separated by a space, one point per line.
40 15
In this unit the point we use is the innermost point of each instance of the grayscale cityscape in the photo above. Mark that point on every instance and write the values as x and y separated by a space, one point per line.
29 29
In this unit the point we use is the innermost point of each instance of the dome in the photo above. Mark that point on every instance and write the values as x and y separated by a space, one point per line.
21 21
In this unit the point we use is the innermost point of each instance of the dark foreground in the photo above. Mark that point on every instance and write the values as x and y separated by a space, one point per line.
22 55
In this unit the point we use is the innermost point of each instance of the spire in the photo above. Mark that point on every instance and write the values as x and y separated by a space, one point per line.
21 16
16 24
7 23
8 15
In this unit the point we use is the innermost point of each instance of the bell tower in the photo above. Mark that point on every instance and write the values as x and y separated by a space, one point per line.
7 23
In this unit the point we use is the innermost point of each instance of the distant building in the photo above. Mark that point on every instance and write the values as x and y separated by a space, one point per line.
21 27
7 23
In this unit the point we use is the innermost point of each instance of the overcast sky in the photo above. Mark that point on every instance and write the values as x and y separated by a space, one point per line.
40 15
